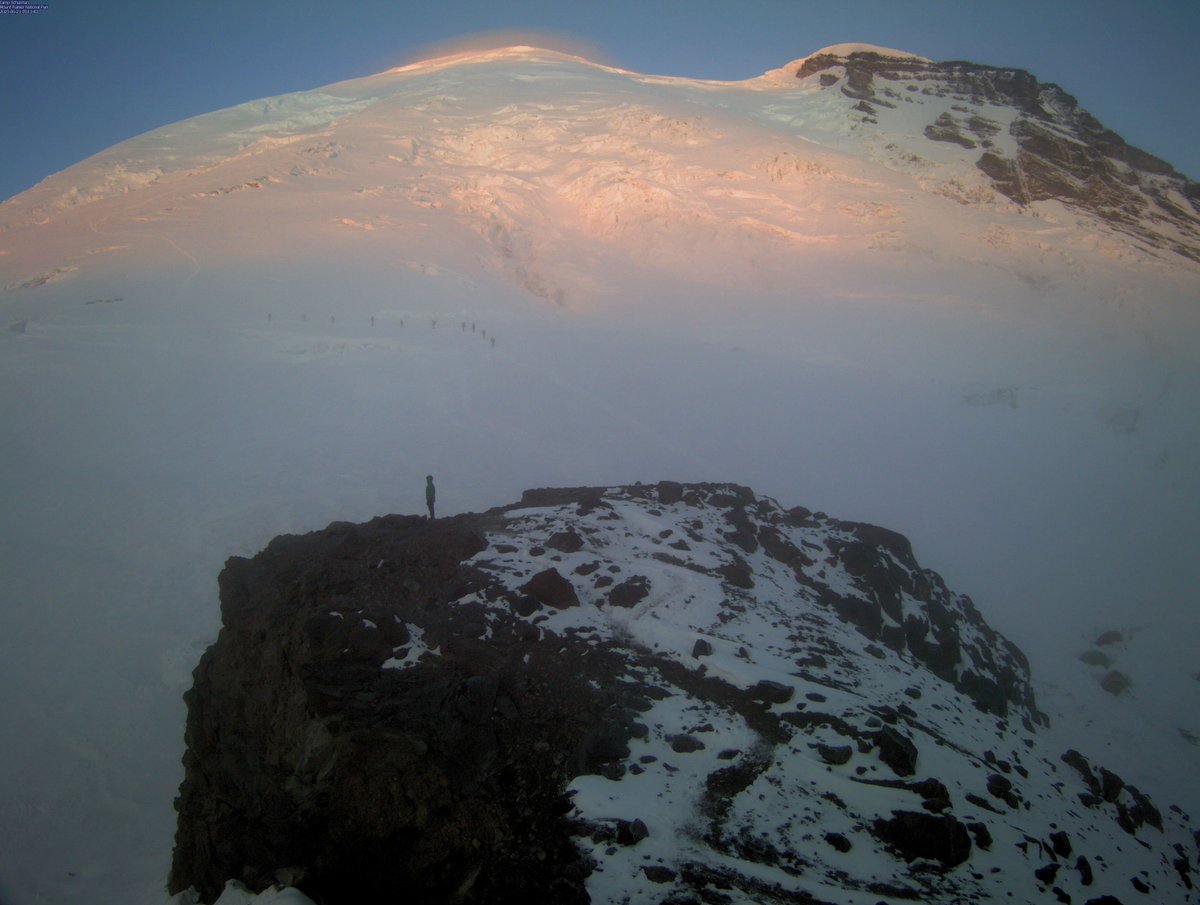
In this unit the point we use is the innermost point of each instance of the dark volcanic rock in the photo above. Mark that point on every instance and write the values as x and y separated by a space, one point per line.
630 592
631 832
1047 872
839 842
772 692
1110 785
656 873
301 751
915 834
947 128
685 744
565 541
1061 843
897 751
552 589
835 754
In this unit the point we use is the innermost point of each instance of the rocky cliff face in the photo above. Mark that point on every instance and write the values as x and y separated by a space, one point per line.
662 693
1044 147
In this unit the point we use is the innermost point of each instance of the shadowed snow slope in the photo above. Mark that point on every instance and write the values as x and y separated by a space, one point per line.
938 297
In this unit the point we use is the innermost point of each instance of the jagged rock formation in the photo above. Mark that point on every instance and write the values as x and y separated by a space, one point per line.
661 693
1050 149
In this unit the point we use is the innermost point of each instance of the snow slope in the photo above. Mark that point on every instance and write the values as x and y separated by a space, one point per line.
716 792
267 318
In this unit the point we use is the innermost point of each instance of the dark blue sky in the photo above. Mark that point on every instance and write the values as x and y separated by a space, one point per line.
81 75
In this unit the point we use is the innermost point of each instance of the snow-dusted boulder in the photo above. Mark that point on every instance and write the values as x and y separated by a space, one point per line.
651 693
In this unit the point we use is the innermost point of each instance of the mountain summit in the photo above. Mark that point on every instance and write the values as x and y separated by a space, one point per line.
518 135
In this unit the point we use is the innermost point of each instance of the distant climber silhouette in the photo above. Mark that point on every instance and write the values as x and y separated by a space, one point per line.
430 494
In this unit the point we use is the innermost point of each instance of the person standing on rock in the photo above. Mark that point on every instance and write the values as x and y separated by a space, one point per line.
430 494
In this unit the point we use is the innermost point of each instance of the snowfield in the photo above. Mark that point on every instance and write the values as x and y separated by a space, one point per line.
519 270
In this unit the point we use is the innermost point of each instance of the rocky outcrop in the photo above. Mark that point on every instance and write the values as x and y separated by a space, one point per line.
1055 150
658 693
351 722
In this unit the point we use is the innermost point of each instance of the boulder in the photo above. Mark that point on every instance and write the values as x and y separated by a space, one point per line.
550 588
897 751
915 834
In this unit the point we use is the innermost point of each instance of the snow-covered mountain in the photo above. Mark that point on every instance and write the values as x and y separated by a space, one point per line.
937 297
655 693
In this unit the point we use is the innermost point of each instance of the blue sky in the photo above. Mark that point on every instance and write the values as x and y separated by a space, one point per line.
81 75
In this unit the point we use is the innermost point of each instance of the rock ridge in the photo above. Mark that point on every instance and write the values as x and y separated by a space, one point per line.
1055 149
656 693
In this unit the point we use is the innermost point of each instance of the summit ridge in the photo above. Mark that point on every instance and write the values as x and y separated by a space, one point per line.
990 138
522 52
